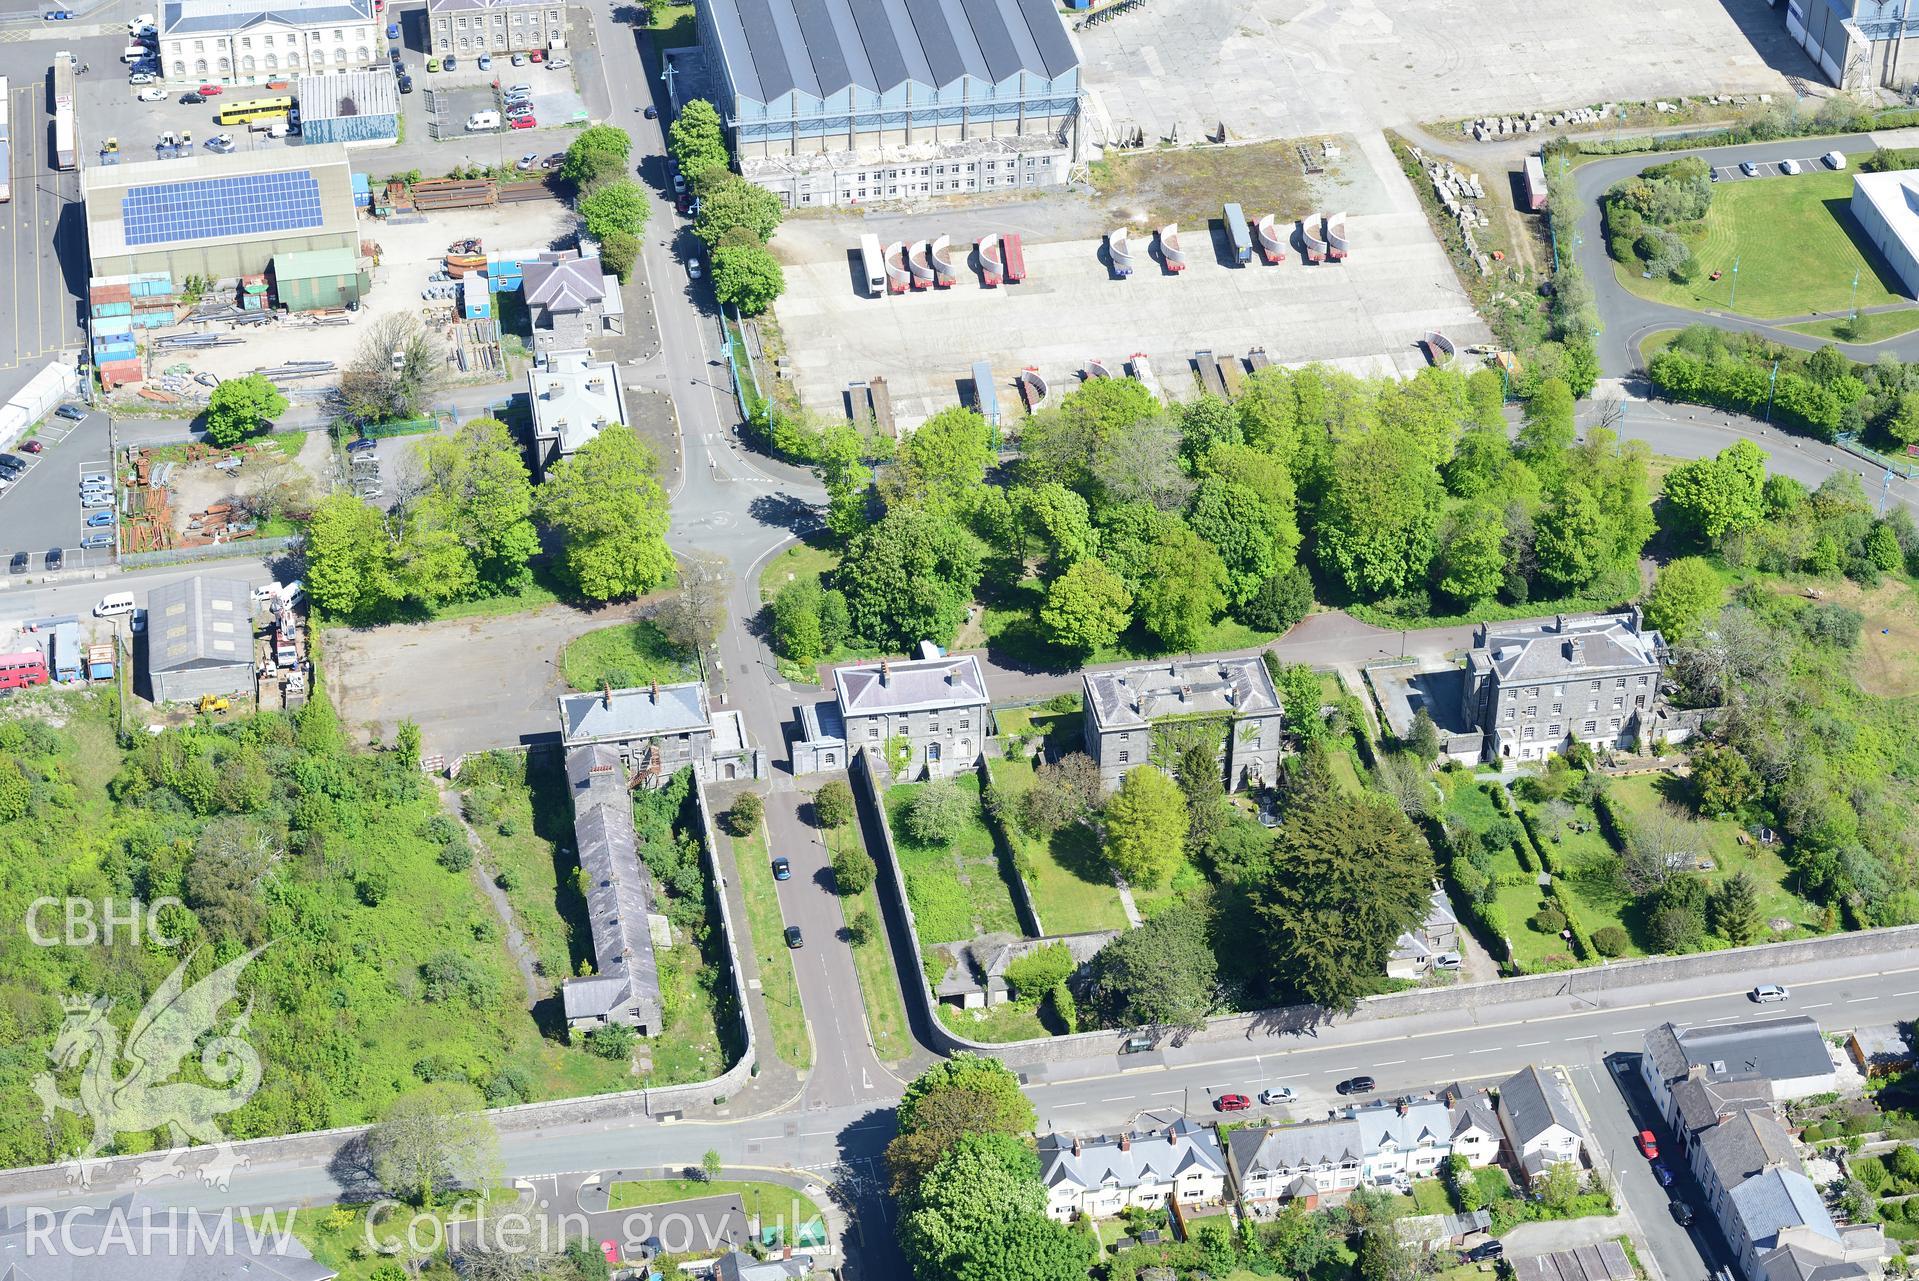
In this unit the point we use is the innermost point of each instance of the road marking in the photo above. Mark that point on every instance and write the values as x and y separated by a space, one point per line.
1912 993
1160 1094
1433 1058
1386 1063
1488 1049
1118 1098
1527 1045
1725 1018
1079 1103
1860 1000
1818 1006
1590 1036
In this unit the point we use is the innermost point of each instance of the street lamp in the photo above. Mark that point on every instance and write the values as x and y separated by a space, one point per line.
667 75
1734 300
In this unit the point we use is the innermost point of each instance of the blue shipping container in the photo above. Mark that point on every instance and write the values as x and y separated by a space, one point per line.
152 319
113 309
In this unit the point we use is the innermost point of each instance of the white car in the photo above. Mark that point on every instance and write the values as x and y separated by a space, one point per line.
1446 961
220 143
1834 159
1278 1094
142 78
1770 993
558 64
153 93
1788 166
693 268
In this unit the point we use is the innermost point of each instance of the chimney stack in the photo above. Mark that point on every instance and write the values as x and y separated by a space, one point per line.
1076 1145
1172 1136
606 693
1126 1143
886 672
655 695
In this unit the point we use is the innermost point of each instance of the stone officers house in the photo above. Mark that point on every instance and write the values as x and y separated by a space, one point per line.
1535 688
571 300
936 705
1162 1157
1539 1123
1126 706
656 730
469 28
625 985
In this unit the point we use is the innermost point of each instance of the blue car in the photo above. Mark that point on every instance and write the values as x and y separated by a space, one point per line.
393 31
59 15
99 520
96 542
1660 1172
782 870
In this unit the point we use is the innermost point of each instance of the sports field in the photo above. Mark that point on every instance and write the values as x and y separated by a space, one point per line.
1796 245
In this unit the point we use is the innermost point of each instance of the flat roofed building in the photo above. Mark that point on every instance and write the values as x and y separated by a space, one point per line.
1125 704
248 42
1886 207
218 216
350 106
873 76
199 639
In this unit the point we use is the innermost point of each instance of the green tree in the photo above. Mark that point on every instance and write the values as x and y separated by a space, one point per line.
598 152
1382 1257
1206 422
612 207
711 1165
476 488
239 407
1736 916
747 277
959 1096
1145 827
1025 1247
434 1138
1034 975
833 804
733 210
1471 563
1547 430
742 818
1380 513
1300 701
1163 974
1177 580
1684 597
1571 538
942 465
1281 601
1713 497
619 250
852 871
909 578
1059 521
1253 542
1479 460
795 613
938 812
15 792
406 743
695 139
349 570
1061 444
841 467
1086 608
981 1180
1348 875
606 504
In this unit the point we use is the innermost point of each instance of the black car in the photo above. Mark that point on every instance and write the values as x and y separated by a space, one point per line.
406 84
193 97
1681 1212
1357 1085
360 446
56 557
1486 1250
19 563
652 113
793 938
11 466
72 412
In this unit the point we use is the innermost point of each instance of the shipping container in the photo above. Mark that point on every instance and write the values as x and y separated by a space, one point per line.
985 395
112 309
105 325
1236 233
1535 184
1015 258
476 301
68 656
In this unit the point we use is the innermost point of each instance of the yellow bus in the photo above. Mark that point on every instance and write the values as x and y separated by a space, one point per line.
249 109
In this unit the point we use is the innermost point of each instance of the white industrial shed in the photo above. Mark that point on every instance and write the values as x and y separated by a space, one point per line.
1886 206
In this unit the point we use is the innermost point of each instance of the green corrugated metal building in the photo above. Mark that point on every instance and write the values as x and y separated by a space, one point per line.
315 279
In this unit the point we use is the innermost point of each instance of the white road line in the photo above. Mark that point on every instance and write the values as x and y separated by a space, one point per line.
1389 1063
1527 1045
1431 1058
1590 1036
1118 1098
1860 1000
1079 1103
775 1138
1725 1018
1912 993
1818 1006
1160 1094
1488 1049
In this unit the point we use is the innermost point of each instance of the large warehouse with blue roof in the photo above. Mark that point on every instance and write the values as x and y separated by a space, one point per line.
218 216
826 97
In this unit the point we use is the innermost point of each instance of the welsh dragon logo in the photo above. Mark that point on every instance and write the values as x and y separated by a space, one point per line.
144 1096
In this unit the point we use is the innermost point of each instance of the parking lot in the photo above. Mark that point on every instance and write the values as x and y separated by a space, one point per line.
41 512
1776 168
1286 68
1365 315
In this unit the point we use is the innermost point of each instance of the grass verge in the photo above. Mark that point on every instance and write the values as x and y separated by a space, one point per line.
767 926
1071 886
873 962
770 1203
627 655
1874 326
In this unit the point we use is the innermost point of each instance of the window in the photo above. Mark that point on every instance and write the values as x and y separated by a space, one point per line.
1528 732
338 35
932 727
246 42
1618 703
1642 682
1620 683
1509 713
1555 731
1559 689
1615 724
829 760
1639 700
1596 684
1125 756
1593 706
872 731
1533 710
1556 709
1591 728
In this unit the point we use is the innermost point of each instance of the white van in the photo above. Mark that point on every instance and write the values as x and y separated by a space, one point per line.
136 25
135 53
115 605
481 121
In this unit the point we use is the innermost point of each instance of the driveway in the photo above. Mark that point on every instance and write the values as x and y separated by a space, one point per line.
472 684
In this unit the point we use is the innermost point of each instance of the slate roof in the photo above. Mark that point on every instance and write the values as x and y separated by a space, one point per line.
1402 1127
1535 1105
820 47
1701 1103
1770 1049
1150 1156
1792 1263
1565 647
1133 697
134 1241
1770 1202
221 17
1667 1055
1470 1111
1741 1147
1295 1147
627 714
563 282
619 893
737 1266
200 622
573 397
1605 1261
910 685
467 6
981 964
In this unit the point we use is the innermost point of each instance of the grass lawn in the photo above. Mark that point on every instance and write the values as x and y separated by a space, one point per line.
873 962
958 890
768 927
1584 863
1064 731
1796 244
1070 884
1887 662
1654 343
1185 184
1002 1023
1719 838
1874 326
336 1235
672 25
770 1203
628 655
519 808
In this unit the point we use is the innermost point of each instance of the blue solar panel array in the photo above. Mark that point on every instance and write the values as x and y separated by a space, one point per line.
244 204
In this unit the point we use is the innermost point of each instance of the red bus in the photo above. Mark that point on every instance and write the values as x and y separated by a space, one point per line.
16 670
1015 259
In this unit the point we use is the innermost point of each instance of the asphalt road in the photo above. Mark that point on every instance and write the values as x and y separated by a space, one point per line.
42 236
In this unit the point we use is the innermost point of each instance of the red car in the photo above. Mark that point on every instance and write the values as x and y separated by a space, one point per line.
1648 1145
31 446
212 90
1232 1103
524 122
537 55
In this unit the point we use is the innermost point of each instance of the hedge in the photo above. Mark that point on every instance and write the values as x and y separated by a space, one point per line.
1582 941
1750 387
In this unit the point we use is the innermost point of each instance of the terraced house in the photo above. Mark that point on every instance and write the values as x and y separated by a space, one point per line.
251 43
1165 1156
